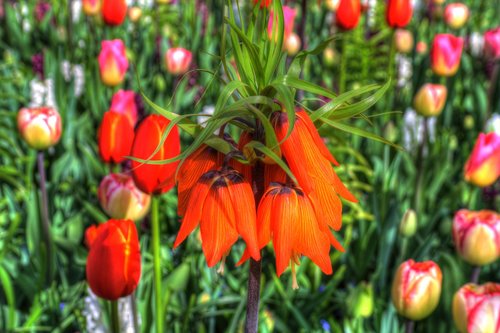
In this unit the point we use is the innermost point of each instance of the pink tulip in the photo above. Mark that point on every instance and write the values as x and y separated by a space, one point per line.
113 63
39 127
492 43
456 15
476 308
178 60
445 54
124 102
121 199
289 16
483 166
477 236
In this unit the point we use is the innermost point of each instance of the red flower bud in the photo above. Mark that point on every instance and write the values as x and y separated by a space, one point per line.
348 14
398 13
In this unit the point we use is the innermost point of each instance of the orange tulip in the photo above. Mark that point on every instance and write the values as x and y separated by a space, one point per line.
310 162
403 40
39 127
198 163
155 178
223 204
114 260
477 236
288 216
483 166
416 289
115 137
91 7
121 199
477 308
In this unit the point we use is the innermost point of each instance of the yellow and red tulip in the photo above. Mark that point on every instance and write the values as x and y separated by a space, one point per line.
483 166
39 127
477 236
178 60
456 15
416 289
445 54
113 62
476 308
430 99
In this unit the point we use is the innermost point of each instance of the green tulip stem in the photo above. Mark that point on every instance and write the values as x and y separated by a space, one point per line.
409 326
45 225
390 73
476 272
157 263
115 321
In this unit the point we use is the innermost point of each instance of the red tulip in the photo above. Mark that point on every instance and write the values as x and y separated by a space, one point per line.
398 13
445 54
263 3
124 102
155 178
348 14
114 260
114 11
115 137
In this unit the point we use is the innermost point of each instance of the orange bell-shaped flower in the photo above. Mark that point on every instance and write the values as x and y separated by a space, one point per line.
398 13
310 162
198 163
222 203
114 260
348 14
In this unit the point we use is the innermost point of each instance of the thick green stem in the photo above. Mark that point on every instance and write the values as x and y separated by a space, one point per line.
155 221
390 73
115 320
417 204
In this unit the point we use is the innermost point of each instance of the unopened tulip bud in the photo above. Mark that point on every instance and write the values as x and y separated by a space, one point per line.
330 57
178 60
469 122
403 40
134 13
39 127
408 225
362 301
456 15
438 2
421 48
292 44
121 199
477 236
483 166
91 7
430 99
476 308
416 289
